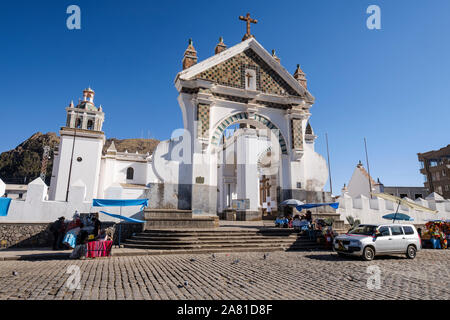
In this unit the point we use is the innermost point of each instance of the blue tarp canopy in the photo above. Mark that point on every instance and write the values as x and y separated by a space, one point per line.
120 203
4 206
334 205
118 216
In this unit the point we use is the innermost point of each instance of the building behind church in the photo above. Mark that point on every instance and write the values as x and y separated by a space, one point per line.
435 168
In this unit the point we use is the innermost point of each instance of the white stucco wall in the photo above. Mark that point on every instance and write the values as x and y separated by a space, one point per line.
87 170
371 210
37 209
358 184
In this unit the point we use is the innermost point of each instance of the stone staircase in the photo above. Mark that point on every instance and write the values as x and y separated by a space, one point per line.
338 225
209 241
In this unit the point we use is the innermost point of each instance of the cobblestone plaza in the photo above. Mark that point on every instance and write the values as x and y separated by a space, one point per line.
282 275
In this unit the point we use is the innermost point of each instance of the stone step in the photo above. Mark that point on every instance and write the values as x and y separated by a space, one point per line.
181 223
215 239
218 241
221 246
222 236
182 233
167 214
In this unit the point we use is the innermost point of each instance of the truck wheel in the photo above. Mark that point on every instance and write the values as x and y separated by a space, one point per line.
411 252
368 253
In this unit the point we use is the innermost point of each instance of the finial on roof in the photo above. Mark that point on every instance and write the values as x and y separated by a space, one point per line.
275 56
112 147
220 46
190 55
300 76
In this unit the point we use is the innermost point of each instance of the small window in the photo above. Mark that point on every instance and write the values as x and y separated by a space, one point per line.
408 230
90 125
299 185
417 196
403 195
396 230
130 173
384 231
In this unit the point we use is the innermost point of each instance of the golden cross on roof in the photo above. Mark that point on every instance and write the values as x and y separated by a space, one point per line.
249 21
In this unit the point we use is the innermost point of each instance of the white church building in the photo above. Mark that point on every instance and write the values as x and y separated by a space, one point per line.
246 142
246 145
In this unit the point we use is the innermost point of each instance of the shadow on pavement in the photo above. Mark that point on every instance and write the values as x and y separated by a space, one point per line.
334 257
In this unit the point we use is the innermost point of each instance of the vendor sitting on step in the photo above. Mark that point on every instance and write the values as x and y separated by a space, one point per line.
281 222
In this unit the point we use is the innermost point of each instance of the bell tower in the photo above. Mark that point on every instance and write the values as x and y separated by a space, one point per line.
80 149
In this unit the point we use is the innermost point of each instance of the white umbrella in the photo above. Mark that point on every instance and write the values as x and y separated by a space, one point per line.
292 202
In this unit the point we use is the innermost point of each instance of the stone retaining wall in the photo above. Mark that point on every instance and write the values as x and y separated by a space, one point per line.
25 235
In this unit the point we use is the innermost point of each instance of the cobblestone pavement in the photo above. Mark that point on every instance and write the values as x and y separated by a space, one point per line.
283 275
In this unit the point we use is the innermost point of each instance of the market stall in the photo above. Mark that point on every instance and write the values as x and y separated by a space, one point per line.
437 234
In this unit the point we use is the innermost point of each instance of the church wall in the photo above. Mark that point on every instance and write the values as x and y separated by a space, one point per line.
36 209
107 175
372 210
172 184
316 170
359 184
53 180
140 172
88 170
150 174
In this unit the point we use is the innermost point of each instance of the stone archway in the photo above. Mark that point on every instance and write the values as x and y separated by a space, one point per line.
242 117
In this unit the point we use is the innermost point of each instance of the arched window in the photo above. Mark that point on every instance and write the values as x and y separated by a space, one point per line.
90 125
78 123
130 173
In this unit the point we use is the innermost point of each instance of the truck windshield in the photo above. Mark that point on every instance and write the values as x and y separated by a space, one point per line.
363 230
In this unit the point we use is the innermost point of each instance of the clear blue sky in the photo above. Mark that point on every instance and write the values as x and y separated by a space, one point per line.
390 86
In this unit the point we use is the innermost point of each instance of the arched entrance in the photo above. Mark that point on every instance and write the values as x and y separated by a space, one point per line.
249 165
245 117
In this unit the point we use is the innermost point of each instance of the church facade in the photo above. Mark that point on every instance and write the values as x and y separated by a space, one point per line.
246 144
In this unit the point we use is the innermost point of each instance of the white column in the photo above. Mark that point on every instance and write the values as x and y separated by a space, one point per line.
247 173
85 119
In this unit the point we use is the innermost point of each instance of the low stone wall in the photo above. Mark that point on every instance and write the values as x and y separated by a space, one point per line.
25 235
38 235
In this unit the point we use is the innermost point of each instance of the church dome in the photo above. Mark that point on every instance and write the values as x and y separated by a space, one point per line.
86 105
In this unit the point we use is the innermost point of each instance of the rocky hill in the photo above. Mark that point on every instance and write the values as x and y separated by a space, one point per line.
23 164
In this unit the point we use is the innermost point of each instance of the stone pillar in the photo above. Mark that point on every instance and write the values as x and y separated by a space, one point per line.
247 176
85 119
297 134
72 119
